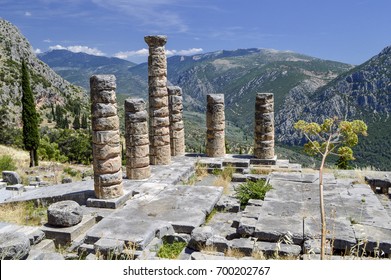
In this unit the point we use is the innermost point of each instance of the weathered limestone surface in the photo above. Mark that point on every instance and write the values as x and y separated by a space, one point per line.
215 125
264 126
64 213
177 131
14 246
136 127
11 177
159 121
106 146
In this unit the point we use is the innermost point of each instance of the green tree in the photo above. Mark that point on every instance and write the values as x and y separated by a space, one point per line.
29 118
335 137
76 122
84 122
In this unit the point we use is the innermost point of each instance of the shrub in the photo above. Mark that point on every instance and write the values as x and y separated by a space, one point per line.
7 163
252 190
171 250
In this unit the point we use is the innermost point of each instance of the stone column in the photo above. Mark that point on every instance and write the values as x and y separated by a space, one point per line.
159 122
106 147
264 126
215 125
136 137
177 131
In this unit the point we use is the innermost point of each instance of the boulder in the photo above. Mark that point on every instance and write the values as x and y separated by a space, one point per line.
64 213
199 236
14 246
11 177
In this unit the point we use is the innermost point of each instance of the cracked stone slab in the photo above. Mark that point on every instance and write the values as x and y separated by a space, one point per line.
280 249
273 229
133 231
339 231
376 239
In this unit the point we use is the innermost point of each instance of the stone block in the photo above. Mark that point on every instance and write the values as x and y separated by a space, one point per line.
103 110
64 213
11 177
138 173
103 152
103 124
105 137
277 249
109 191
109 247
199 236
103 82
110 165
14 246
133 105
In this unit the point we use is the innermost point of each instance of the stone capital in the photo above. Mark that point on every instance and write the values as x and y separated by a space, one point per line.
156 40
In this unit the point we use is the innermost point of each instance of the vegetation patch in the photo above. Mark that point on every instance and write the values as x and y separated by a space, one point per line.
23 213
252 190
7 163
171 250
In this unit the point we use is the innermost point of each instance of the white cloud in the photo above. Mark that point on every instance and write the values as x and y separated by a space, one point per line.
144 53
125 55
47 41
37 51
27 14
77 49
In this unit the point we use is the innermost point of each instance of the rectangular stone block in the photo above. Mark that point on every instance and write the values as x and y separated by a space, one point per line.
106 151
157 92
158 102
158 141
105 137
138 173
139 140
159 81
137 162
109 123
103 110
110 165
105 180
137 151
159 121
108 192
140 128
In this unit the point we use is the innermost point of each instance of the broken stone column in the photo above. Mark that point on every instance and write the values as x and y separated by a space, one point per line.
137 141
159 121
106 147
215 125
177 131
264 126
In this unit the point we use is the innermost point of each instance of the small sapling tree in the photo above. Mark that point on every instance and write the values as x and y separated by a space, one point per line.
335 137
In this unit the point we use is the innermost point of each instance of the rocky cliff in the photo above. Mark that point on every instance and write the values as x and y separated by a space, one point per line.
48 87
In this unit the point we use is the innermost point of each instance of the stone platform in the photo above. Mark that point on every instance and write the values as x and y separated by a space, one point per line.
160 208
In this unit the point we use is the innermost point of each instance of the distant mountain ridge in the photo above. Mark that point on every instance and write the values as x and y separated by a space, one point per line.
363 93
79 67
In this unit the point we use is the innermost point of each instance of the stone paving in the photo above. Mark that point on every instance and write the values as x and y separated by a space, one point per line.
161 208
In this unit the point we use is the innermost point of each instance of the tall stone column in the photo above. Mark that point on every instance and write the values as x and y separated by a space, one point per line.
215 125
177 131
106 147
136 138
264 126
159 122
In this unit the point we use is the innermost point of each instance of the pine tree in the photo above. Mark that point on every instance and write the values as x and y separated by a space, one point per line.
76 122
84 123
29 118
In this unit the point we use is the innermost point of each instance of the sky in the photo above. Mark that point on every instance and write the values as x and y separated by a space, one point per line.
350 31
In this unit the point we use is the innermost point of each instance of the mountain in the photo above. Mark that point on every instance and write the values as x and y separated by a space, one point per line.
79 67
363 93
240 74
49 88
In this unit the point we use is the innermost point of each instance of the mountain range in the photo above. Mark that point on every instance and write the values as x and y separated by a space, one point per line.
304 88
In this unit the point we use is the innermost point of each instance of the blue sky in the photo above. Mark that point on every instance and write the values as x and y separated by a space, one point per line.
349 31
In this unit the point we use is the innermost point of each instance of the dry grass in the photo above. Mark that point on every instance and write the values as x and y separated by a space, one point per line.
224 178
234 253
23 213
